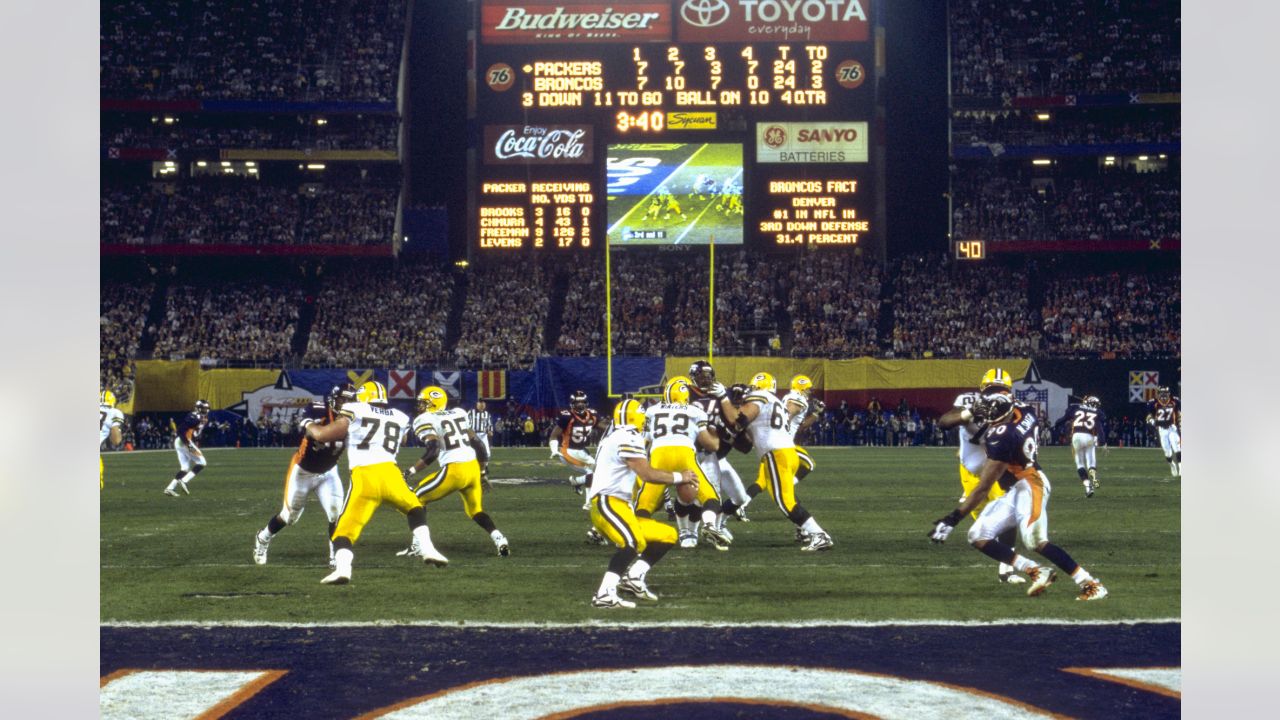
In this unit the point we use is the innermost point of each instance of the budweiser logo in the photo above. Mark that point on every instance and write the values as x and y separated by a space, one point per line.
517 18
538 143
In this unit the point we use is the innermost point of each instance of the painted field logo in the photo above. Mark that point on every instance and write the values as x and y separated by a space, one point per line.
538 144
830 142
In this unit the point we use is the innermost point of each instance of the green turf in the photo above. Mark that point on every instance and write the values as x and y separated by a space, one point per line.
701 221
189 559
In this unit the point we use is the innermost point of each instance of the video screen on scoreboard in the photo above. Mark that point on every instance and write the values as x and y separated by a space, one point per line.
675 194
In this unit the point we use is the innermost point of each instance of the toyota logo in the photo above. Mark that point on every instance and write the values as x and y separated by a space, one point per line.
704 13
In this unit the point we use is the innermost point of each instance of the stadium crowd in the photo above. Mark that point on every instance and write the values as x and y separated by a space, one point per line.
229 321
370 132
1113 315
1001 203
1021 127
125 214
284 50
504 318
349 216
231 211
581 314
122 317
381 318
834 307
639 303
1063 47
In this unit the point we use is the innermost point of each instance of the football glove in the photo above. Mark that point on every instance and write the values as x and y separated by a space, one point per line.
484 479
942 527
555 449
817 407
718 391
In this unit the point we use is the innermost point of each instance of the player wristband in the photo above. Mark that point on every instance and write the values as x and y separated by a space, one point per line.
954 518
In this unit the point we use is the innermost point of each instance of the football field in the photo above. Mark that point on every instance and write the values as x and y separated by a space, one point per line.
189 559
675 168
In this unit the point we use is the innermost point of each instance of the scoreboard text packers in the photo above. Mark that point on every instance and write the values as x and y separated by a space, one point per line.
675 122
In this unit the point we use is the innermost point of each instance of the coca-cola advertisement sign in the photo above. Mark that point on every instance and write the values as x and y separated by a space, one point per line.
538 145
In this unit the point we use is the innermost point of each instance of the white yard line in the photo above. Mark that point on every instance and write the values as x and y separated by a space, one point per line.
643 625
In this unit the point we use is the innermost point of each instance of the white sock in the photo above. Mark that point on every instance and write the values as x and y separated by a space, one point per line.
1081 576
709 517
609 585
265 536
497 536
330 549
188 477
342 559
682 524
1005 568
1023 565
423 535
811 526
638 570
173 485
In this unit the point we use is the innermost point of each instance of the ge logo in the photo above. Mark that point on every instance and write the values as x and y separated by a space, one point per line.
704 13
775 137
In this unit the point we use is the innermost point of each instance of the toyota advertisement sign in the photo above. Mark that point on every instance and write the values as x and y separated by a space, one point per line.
772 20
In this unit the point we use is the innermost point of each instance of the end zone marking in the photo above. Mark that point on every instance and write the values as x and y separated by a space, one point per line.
1159 680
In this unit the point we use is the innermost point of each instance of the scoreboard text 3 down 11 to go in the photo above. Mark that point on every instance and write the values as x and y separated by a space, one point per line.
652 122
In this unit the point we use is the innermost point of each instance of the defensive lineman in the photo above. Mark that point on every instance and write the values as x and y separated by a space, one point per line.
973 454
568 441
641 541
313 469
1088 430
110 426
190 460
764 418
1165 415
715 465
448 437
373 433
1011 447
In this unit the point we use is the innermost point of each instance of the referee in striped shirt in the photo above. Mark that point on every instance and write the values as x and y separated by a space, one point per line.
481 424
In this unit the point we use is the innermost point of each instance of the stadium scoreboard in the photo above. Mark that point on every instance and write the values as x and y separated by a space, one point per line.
685 122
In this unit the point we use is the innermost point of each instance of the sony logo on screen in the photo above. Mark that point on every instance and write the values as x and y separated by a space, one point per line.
710 13
540 143
517 18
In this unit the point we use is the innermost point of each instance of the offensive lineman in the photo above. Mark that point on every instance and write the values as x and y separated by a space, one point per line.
1088 431
312 469
675 430
110 426
1011 447
373 433
715 465
973 454
619 459
448 437
568 440
190 460
1165 415
764 417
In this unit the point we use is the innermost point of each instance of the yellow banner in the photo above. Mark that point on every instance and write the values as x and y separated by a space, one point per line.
224 388
171 386
859 374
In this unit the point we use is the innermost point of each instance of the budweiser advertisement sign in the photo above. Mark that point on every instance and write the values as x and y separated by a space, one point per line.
772 20
818 142
538 145
510 22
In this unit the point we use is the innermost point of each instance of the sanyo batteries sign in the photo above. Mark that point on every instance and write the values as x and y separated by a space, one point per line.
811 142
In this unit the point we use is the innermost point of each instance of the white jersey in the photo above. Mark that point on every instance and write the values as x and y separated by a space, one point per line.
769 429
973 455
793 423
108 417
674 425
451 427
375 433
612 475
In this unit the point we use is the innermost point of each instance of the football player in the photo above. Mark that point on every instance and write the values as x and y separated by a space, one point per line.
715 465
764 418
373 433
676 430
110 426
1011 447
313 469
1087 423
1165 415
973 455
569 437
704 186
190 460
641 541
802 411
448 436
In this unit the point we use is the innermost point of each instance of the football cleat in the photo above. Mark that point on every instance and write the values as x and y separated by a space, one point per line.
595 537
714 535
260 549
741 514
801 536
818 542
636 587
688 540
183 484
723 527
337 577
171 492
1041 579
1092 590
1093 475
610 600
429 554
500 542
1088 488
1008 575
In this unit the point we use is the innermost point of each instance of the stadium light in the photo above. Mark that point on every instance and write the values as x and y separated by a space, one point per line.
169 120
1042 116
1164 156
226 163
169 163
1143 158
321 121
201 163
462 264
249 163
315 166
1041 161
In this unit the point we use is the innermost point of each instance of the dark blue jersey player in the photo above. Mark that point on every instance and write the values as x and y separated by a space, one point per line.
1087 424
1165 415
1011 447
186 443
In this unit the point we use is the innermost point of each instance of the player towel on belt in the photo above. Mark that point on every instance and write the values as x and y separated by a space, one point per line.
493 384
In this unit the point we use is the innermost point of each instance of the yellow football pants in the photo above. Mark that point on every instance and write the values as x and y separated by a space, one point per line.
969 481
673 459
777 477
460 477
372 485
614 518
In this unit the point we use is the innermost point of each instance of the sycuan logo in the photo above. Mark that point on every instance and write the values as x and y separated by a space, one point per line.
542 144
704 13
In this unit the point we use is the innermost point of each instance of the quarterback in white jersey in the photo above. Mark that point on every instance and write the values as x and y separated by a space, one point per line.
973 453
448 437
803 412
373 433
110 426
764 417
641 541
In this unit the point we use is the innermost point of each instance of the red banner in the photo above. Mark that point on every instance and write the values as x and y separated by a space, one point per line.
493 384
402 384
773 20
511 22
